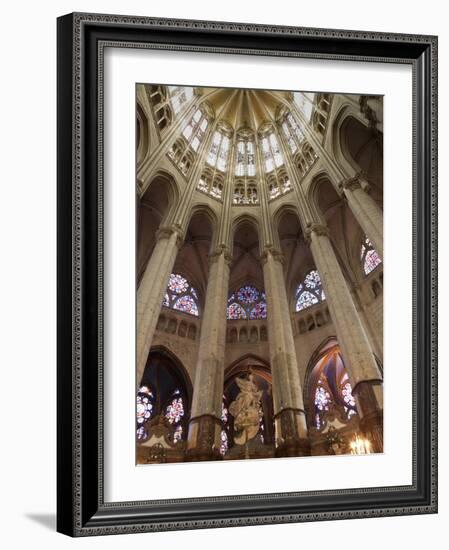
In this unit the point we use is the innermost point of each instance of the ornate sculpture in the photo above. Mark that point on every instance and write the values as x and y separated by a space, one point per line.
246 410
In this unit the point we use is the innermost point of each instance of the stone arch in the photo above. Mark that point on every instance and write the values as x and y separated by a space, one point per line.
289 232
246 267
345 111
210 214
142 135
155 209
163 351
361 145
313 195
327 344
331 209
250 219
192 260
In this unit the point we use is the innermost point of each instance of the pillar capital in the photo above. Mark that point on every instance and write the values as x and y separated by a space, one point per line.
274 253
221 250
356 181
166 231
319 229
350 184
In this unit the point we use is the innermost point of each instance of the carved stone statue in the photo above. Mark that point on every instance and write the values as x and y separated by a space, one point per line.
246 410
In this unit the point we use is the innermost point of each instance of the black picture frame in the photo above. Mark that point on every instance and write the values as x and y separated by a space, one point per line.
81 509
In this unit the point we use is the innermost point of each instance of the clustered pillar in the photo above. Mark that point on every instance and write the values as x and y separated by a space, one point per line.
152 288
205 424
289 414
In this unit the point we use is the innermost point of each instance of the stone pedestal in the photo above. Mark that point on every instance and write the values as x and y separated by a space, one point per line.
289 424
204 439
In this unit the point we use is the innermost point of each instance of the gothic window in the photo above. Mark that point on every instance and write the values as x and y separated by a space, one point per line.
180 96
181 295
162 394
330 390
219 151
271 153
310 291
369 257
293 131
305 103
195 129
247 303
145 401
245 162
224 435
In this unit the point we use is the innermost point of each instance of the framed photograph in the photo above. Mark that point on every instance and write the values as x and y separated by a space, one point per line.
246 274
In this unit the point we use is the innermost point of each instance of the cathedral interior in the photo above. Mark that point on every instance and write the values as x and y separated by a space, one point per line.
259 274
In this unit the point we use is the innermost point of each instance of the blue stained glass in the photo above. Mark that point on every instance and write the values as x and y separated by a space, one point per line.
312 279
177 283
310 291
248 294
236 311
259 311
175 411
306 299
370 258
181 295
186 304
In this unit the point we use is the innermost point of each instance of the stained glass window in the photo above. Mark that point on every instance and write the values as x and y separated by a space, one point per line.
310 291
248 294
271 153
245 162
144 408
305 103
175 410
224 436
331 389
368 255
186 304
162 396
177 434
247 303
177 283
236 311
219 151
179 96
195 129
181 295
259 311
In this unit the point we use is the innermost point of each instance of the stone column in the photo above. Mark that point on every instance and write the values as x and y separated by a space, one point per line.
152 288
205 423
358 356
204 437
289 414
366 211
